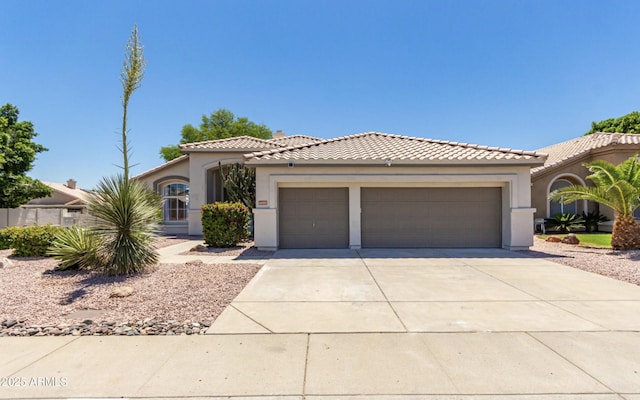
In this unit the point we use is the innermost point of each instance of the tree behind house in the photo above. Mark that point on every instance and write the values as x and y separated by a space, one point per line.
629 123
221 124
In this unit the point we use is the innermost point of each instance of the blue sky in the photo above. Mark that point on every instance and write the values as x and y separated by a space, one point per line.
511 73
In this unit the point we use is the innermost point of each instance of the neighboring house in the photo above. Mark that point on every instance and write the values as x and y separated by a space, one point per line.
66 206
365 190
564 167
65 196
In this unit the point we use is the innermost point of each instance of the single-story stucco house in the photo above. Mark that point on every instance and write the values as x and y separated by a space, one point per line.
67 195
564 167
66 206
365 190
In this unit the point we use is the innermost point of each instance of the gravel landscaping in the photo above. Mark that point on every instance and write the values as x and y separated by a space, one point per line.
175 299
243 250
621 265
35 300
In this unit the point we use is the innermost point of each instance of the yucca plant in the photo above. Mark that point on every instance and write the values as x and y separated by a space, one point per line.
125 225
75 248
125 212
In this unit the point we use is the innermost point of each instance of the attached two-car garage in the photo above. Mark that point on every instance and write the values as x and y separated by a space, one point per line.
431 217
392 217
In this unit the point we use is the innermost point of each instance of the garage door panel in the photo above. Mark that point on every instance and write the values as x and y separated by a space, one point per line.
431 217
313 217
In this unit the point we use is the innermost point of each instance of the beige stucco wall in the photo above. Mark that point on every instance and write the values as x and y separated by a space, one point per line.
199 164
577 173
514 180
176 172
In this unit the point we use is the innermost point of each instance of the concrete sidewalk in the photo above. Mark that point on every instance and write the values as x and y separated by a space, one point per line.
391 324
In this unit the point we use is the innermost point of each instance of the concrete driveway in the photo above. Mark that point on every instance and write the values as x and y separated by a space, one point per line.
369 324
436 322
348 291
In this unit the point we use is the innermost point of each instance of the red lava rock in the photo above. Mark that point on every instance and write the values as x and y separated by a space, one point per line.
571 239
554 239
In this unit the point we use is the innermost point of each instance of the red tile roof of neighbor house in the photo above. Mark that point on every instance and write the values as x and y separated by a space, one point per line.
381 147
566 151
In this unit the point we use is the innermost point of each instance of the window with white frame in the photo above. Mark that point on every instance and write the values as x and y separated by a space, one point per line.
557 207
176 202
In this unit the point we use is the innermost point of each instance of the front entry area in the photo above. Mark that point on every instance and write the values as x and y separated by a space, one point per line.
313 218
431 217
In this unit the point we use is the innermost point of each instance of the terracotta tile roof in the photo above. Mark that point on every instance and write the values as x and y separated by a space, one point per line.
295 140
565 151
240 143
379 147
183 157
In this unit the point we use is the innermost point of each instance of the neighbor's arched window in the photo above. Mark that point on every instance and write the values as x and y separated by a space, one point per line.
557 207
176 202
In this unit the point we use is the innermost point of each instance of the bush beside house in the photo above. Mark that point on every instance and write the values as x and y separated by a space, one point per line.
225 224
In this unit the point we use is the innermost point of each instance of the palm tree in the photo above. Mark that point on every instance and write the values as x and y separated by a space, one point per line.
616 186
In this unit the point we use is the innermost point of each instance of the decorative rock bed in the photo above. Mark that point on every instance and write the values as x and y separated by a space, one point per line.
148 326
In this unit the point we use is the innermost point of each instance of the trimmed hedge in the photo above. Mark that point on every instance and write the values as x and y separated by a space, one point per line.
225 224
30 241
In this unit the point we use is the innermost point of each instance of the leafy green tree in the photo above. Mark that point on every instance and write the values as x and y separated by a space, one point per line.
617 187
17 153
220 124
629 123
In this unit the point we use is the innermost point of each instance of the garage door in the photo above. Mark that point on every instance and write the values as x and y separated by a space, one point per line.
431 217
313 218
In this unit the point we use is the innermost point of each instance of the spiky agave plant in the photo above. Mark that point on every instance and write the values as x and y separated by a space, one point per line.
125 225
75 248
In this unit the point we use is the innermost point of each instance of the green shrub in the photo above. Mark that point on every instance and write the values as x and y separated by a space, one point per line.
564 222
6 237
32 241
225 224
75 248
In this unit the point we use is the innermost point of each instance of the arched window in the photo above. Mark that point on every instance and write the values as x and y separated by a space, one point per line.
557 207
176 202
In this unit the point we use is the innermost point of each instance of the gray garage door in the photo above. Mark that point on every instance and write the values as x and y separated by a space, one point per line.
431 217
313 218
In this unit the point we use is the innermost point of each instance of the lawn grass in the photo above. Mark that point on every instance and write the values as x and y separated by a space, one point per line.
588 239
